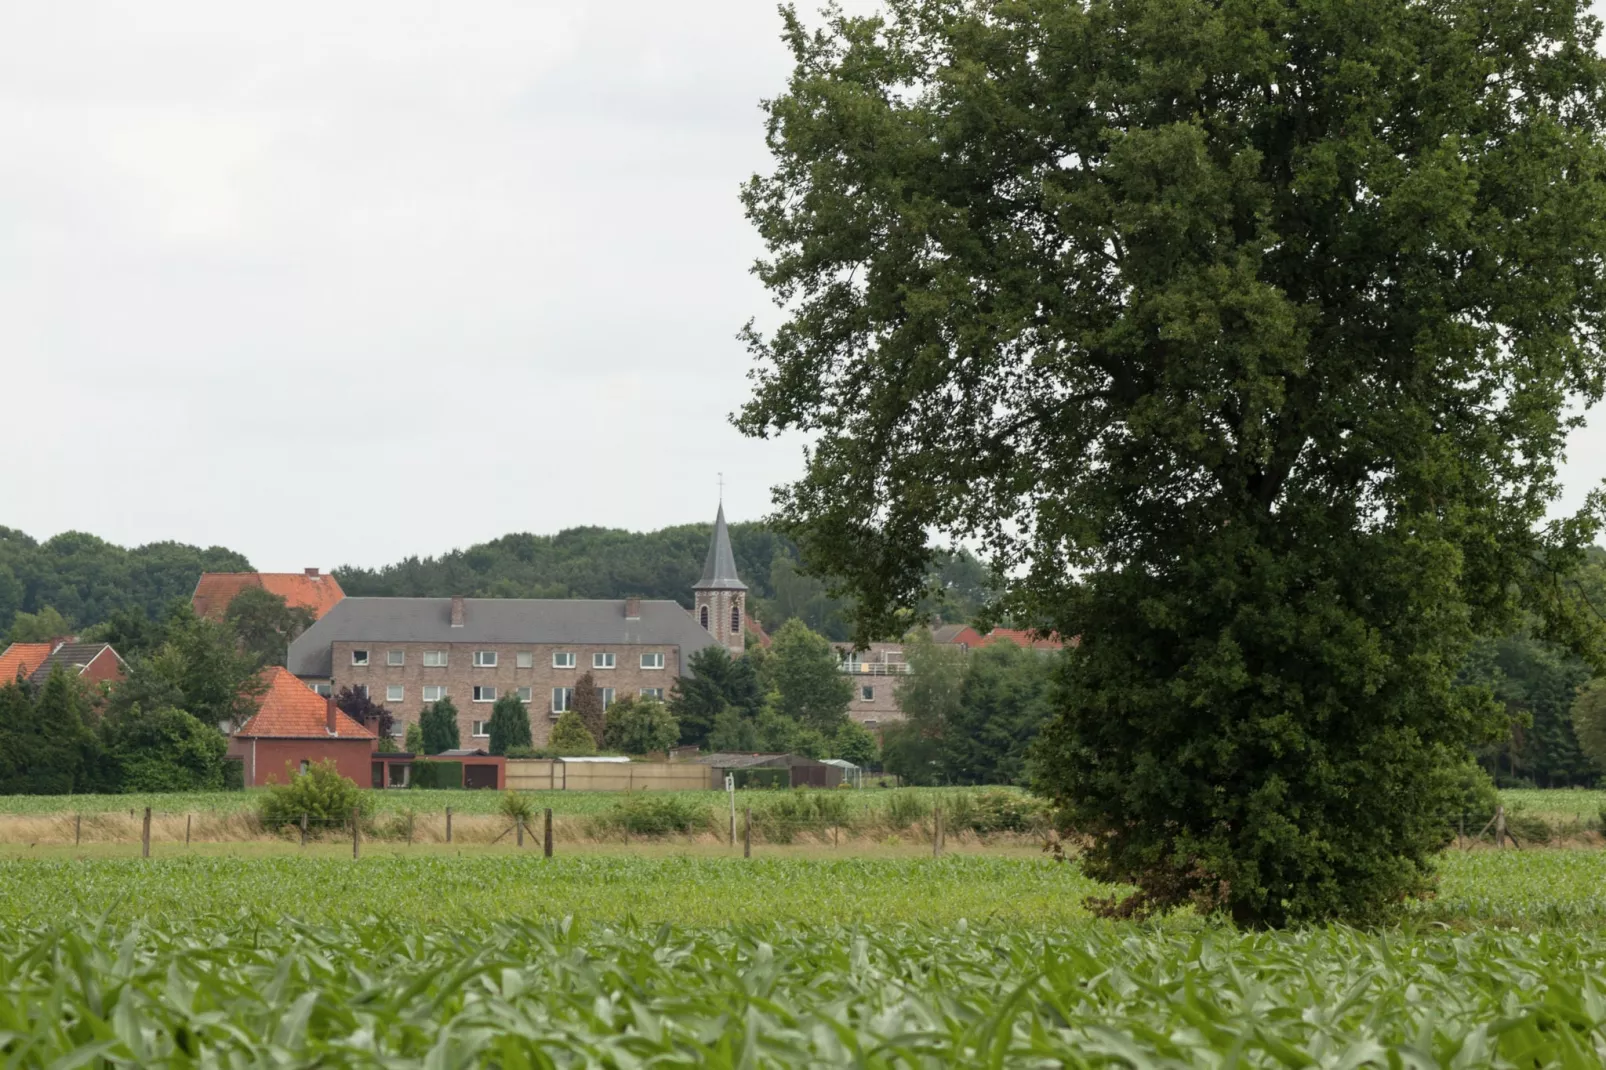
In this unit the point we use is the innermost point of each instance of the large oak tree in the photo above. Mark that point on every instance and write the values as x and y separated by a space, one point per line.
1243 334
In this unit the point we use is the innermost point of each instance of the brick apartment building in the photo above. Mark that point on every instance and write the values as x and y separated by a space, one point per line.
410 652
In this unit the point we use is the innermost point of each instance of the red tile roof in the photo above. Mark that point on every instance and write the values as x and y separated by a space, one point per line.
964 635
216 590
22 658
292 710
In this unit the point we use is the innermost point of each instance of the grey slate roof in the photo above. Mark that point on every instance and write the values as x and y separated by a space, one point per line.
719 571
495 620
75 657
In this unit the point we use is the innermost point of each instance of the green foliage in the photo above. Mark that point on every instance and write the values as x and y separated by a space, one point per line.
587 706
1589 722
855 743
90 580
1536 682
163 750
516 807
435 774
803 672
1252 371
360 707
321 793
714 683
438 725
570 738
413 738
910 753
198 668
657 814
39 627
780 819
266 624
510 724
46 746
640 726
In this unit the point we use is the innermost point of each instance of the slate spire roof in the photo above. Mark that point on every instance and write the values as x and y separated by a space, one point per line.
719 571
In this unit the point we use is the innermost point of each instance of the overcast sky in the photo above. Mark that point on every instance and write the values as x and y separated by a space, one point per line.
338 283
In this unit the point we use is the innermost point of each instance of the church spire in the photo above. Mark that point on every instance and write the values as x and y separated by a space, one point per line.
720 594
719 570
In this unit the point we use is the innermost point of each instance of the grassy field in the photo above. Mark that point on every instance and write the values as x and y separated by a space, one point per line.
445 961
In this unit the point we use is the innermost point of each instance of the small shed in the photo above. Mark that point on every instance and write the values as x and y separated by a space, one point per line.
773 770
852 775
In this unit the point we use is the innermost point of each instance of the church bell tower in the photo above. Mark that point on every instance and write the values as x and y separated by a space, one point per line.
721 596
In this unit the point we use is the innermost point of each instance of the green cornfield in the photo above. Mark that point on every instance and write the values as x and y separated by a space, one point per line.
515 961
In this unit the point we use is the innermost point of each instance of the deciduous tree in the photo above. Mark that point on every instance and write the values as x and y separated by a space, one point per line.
803 672
1245 338
266 624
640 726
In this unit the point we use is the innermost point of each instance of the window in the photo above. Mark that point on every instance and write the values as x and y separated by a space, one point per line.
602 661
867 694
484 694
481 729
398 728
870 724
525 694
395 692
736 618
485 659
434 659
563 659
361 689
607 696
655 693
562 699
395 657
702 616
652 661
526 660
434 693
359 657
323 689
304 768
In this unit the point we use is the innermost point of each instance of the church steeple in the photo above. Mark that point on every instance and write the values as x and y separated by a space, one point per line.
720 595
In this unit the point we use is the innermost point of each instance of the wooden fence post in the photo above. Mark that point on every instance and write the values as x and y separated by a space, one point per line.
548 840
448 824
145 838
747 835
303 829
187 829
936 832
356 832
520 825
77 829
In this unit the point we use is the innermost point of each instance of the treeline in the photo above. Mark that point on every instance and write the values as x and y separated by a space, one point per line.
608 563
76 582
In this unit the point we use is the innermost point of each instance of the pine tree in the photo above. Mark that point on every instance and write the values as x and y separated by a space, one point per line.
588 707
510 724
439 723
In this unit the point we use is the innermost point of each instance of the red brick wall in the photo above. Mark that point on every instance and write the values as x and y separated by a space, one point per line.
105 669
352 758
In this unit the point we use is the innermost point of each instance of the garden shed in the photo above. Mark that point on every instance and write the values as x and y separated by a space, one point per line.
772 770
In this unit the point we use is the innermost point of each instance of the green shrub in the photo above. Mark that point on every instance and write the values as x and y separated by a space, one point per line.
904 808
1528 828
527 752
783 817
516 807
1008 811
320 793
654 814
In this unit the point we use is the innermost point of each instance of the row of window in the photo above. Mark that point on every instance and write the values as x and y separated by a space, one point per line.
562 697
736 618
486 659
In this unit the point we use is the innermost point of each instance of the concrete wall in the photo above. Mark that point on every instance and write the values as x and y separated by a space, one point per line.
539 774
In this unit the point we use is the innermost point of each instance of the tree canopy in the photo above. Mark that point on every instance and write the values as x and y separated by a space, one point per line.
1245 338
510 724
438 723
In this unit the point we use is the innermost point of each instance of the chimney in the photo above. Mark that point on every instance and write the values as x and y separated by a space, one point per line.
632 608
457 611
331 710
311 572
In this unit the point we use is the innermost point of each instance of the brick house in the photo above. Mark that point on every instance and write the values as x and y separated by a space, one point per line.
94 663
293 728
409 652
309 589
877 670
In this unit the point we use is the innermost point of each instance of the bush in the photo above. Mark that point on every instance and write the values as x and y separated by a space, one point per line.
526 752
905 808
570 737
782 818
657 815
321 793
1007 811
516 808
1529 829
640 727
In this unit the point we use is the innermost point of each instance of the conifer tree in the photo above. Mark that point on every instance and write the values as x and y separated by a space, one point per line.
510 723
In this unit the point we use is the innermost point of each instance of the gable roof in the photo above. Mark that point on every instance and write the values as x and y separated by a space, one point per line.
594 622
319 592
719 570
292 710
76 657
22 659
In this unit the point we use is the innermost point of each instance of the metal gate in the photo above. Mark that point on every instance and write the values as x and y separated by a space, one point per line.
479 776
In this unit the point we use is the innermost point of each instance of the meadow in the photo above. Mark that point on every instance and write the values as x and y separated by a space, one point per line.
515 961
